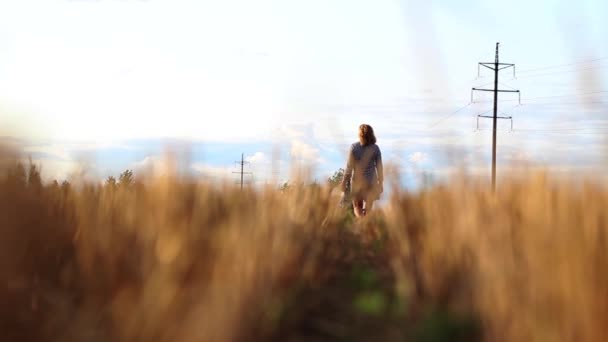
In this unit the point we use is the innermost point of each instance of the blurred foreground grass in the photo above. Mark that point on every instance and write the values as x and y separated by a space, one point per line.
170 259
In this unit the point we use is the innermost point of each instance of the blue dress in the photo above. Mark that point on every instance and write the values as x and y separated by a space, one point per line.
364 170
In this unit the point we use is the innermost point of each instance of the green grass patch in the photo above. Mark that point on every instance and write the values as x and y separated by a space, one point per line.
371 303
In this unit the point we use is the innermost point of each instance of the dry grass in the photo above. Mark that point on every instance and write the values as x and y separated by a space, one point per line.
174 260
165 261
529 261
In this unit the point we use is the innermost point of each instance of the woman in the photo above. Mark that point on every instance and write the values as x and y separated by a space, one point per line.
364 171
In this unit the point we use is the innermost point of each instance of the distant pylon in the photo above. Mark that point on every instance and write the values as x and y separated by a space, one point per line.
242 163
496 66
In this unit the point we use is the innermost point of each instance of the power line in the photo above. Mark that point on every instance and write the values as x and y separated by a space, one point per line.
587 130
561 65
566 95
578 103
449 115
562 71
506 85
483 115
561 129
551 96
578 133
486 84
551 73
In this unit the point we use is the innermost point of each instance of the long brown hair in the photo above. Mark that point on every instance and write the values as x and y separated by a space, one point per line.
366 135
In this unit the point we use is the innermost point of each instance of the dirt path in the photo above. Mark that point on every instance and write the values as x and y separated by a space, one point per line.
357 301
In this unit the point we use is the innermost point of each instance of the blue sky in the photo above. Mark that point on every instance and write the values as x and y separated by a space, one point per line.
109 83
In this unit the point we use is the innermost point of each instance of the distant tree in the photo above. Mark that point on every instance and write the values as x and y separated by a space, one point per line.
336 179
285 186
125 180
53 186
314 185
427 179
65 186
111 182
17 176
33 176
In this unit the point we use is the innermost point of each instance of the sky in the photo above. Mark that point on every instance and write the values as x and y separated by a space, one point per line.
105 85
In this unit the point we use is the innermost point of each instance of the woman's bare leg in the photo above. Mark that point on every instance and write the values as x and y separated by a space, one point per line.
358 207
369 204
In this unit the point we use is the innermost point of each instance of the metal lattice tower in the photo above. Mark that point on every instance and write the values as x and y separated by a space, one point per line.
496 67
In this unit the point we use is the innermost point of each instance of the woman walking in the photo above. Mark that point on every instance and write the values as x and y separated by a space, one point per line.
363 174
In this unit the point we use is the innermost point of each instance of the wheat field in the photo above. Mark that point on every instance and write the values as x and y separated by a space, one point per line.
175 259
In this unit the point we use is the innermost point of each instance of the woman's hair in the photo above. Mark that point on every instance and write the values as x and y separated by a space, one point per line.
366 135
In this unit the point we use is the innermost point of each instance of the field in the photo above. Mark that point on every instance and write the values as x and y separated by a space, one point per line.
172 259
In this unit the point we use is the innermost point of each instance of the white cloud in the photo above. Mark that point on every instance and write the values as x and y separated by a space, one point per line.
299 131
257 158
212 172
58 169
146 163
305 153
418 157
51 150
155 166
298 136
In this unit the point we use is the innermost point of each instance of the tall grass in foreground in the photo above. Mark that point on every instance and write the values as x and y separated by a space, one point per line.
168 260
173 260
530 262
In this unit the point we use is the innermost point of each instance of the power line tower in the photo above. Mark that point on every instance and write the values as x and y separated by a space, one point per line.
242 162
496 67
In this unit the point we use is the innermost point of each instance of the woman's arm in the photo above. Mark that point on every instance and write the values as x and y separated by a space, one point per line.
380 170
349 171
